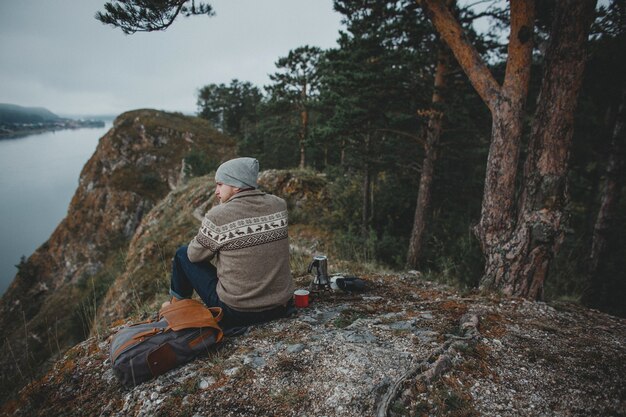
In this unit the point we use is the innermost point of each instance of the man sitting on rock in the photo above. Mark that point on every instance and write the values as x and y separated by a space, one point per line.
246 237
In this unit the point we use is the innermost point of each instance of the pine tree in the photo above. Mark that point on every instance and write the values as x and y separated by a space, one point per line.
297 82
231 109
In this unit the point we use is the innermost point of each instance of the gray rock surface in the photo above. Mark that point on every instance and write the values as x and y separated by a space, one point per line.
406 347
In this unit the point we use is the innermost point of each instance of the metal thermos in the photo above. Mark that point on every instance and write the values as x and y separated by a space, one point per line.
321 279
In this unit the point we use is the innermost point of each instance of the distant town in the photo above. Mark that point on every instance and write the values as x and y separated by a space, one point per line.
12 130
16 121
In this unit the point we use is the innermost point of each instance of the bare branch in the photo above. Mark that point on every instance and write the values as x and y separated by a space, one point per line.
472 17
469 6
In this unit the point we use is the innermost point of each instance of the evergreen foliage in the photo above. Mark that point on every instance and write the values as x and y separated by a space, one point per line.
149 15
296 83
297 79
230 108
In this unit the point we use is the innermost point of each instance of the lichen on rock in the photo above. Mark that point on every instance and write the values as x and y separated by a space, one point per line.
355 355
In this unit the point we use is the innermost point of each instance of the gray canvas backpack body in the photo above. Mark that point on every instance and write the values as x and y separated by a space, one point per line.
182 331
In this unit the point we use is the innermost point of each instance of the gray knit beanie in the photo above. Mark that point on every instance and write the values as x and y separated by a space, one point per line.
238 172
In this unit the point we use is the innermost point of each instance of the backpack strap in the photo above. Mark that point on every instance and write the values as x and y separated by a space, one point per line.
217 312
136 338
188 313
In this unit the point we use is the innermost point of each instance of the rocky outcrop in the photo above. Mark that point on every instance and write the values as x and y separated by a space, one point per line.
404 347
51 304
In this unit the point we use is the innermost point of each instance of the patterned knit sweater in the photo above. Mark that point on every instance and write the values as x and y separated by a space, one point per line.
247 238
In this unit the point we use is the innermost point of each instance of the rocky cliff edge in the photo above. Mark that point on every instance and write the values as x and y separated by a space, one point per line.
403 347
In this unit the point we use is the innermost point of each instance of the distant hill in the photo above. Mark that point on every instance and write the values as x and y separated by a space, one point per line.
17 121
12 113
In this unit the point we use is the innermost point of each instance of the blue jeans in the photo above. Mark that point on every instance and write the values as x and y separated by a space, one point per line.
202 277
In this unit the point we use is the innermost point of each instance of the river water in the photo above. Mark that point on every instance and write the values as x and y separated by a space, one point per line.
38 177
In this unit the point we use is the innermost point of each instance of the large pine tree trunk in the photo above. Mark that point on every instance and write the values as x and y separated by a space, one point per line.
433 134
609 203
518 241
506 103
497 219
519 266
496 223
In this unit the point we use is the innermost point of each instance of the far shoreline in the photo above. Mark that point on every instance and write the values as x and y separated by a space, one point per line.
20 133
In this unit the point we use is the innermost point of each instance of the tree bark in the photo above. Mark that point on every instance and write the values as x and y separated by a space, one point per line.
609 203
304 127
497 219
519 266
303 134
367 190
433 134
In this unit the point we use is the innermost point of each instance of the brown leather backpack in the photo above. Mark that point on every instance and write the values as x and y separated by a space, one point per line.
182 331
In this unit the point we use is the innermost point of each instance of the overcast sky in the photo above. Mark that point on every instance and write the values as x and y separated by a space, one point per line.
55 54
